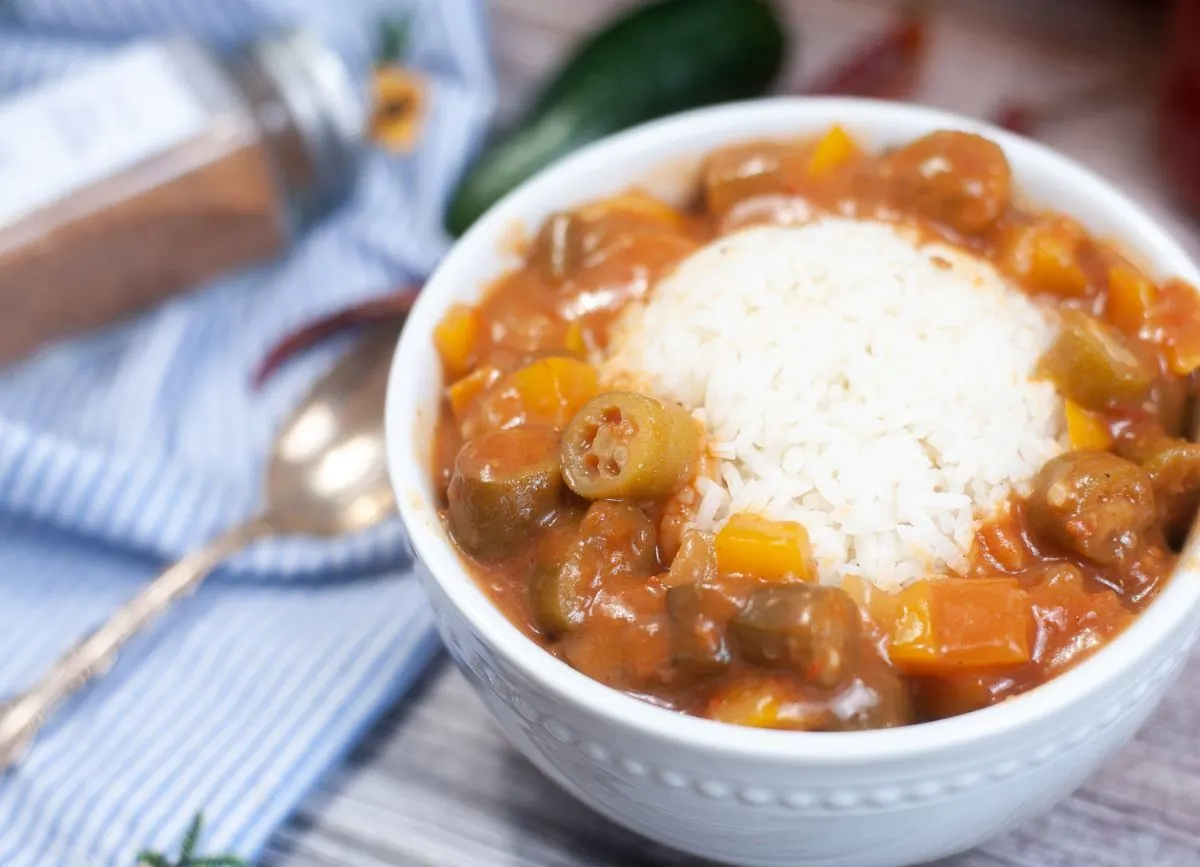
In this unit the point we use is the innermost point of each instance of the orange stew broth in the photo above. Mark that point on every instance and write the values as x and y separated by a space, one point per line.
1030 607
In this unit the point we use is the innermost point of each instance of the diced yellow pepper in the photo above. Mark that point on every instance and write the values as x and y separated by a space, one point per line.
1131 297
554 389
833 151
754 545
1055 269
463 393
548 392
1086 430
455 338
943 625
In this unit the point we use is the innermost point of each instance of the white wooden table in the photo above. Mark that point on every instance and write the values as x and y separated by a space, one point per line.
435 784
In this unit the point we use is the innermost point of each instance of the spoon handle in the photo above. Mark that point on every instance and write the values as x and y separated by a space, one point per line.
23 715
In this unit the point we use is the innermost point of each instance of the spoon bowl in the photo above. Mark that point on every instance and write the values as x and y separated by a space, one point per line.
327 475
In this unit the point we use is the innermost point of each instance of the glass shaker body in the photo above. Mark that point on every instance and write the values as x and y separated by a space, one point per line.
160 168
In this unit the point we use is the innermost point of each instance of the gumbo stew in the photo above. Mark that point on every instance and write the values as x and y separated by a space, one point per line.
573 503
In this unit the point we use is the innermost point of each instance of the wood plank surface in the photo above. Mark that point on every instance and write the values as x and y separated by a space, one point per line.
436 784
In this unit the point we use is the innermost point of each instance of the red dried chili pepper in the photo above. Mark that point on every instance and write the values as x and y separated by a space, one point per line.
1016 115
884 66
1025 116
376 310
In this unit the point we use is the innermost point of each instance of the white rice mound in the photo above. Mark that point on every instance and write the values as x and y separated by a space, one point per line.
875 389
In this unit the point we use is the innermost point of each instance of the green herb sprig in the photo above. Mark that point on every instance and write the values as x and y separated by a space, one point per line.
187 853
395 35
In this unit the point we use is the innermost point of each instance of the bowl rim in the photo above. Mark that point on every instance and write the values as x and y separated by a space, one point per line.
407 464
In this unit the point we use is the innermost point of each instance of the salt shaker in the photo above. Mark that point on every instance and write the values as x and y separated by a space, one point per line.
160 167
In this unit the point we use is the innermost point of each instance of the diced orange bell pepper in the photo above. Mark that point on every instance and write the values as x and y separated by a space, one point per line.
549 392
636 202
765 702
833 151
1046 256
754 545
947 624
463 393
1085 429
1177 316
455 337
1131 297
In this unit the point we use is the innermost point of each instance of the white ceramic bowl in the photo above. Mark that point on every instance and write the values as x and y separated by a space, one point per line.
741 795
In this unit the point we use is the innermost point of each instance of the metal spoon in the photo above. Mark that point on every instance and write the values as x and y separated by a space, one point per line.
327 475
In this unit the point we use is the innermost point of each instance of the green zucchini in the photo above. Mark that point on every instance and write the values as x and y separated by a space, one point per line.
661 58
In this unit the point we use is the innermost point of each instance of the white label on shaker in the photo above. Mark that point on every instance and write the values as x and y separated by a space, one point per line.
75 131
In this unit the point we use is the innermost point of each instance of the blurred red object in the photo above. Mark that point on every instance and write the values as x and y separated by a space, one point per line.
1179 108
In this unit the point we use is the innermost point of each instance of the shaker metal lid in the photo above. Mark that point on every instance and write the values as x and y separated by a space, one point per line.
328 109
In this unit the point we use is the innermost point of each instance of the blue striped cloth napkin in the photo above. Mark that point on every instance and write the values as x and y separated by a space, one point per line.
122 450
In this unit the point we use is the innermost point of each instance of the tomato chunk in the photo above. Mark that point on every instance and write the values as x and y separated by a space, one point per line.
1073 624
1176 321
